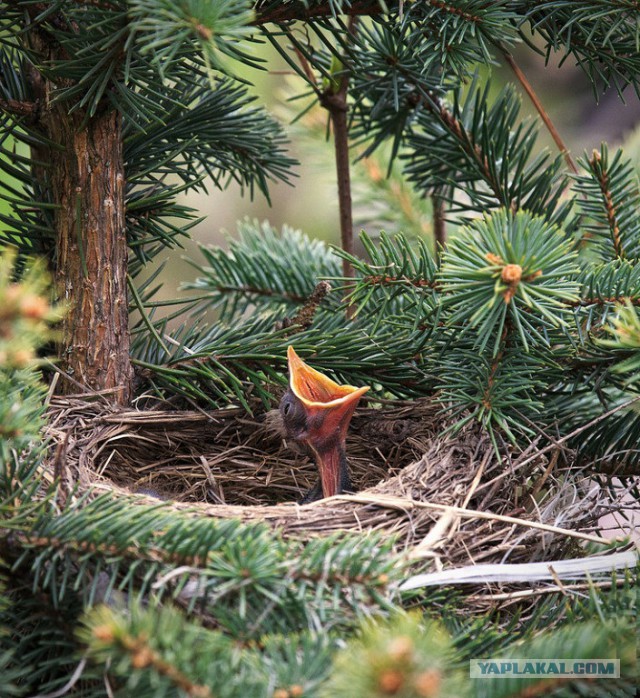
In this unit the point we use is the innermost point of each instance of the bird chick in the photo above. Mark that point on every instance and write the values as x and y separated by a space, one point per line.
316 412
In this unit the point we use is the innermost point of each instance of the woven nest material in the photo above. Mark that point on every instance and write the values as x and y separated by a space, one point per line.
444 497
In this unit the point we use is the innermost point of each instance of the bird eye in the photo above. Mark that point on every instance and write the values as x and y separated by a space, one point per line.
286 408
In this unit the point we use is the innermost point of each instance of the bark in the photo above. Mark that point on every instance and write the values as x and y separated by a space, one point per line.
84 177
87 181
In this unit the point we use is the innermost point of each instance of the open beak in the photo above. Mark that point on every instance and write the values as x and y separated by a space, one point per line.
328 407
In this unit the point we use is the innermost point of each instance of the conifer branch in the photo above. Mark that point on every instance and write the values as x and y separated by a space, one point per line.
439 224
29 110
280 12
334 100
604 300
143 656
544 115
434 105
603 180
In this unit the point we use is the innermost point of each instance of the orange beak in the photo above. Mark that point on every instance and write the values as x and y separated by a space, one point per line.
328 408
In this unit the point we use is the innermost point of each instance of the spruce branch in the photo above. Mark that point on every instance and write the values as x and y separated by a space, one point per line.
603 43
396 271
268 11
266 269
439 224
535 100
514 266
484 152
334 99
610 199
105 635
304 317
29 110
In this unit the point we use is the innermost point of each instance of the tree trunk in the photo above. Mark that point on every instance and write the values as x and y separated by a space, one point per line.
87 182
84 175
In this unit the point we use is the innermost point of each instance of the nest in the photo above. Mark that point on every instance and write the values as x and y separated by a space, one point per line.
441 497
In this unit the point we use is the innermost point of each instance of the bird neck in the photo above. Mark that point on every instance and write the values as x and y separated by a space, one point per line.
333 469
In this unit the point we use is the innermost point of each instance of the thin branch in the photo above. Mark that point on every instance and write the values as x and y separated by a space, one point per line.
528 88
144 656
30 110
439 223
335 101
604 300
527 593
563 440
406 504
612 218
337 106
289 11
436 107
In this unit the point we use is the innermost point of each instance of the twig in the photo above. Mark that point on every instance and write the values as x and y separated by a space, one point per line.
439 223
75 677
564 439
553 461
612 219
19 108
305 315
406 504
528 88
289 11
335 102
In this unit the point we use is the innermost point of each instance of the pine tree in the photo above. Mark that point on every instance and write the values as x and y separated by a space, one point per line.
520 313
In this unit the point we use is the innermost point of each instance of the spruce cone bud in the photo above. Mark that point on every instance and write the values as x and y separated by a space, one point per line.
34 307
511 273
427 684
401 648
391 681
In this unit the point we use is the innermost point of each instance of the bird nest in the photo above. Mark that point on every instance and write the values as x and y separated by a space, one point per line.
440 496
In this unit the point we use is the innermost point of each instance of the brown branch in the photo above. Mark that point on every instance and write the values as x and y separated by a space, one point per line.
143 656
335 102
289 11
436 107
382 280
528 88
495 365
545 686
439 224
30 110
612 219
306 68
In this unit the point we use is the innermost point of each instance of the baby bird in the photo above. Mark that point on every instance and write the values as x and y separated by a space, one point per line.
316 412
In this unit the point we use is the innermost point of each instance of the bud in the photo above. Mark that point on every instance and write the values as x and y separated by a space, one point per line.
391 681
142 658
511 273
34 307
103 633
401 648
427 684
494 259
20 358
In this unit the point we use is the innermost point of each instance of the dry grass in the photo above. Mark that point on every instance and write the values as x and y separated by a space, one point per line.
445 498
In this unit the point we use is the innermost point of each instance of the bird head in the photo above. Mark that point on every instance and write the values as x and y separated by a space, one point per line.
316 412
